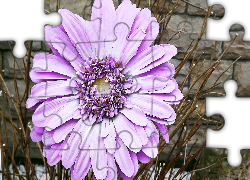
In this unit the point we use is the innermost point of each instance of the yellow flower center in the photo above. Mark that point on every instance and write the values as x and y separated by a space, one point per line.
102 86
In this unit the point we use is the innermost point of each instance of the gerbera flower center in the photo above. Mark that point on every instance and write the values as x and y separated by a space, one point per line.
102 88
102 85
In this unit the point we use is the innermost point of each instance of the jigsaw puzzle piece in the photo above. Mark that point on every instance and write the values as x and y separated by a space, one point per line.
61 45
219 29
96 5
184 32
53 153
236 128
76 44
48 67
92 151
99 155
106 38
184 29
44 72
52 112
129 138
28 11
168 93
76 144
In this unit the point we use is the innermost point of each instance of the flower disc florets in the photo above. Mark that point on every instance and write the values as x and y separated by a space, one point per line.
100 86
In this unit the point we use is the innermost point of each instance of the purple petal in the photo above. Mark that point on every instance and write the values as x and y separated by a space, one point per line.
151 130
164 131
72 172
152 106
105 12
54 153
142 157
126 131
45 90
142 20
51 63
135 161
63 131
165 70
48 108
142 134
170 51
125 13
155 84
75 140
143 59
124 177
151 148
80 32
92 118
167 121
110 140
112 169
106 127
132 45
47 137
98 154
61 42
123 159
48 39
171 97
82 164
38 77
174 96
34 105
152 32
170 87
135 115
84 154
36 133
62 115
38 130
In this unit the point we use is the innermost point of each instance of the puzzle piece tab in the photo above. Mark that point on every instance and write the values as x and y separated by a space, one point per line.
27 16
235 13
233 135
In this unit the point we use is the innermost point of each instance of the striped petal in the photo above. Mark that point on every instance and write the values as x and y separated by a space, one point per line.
135 115
126 131
152 106
98 154
123 159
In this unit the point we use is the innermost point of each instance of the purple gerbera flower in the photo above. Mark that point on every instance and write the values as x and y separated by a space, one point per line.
100 98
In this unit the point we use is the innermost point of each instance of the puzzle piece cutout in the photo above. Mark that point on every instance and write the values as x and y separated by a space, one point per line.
236 13
235 111
22 18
